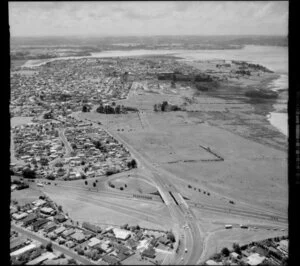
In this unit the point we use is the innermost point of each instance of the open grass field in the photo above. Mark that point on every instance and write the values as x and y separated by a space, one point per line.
133 185
25 195
93 207
17 121
253 171
17 63
215 241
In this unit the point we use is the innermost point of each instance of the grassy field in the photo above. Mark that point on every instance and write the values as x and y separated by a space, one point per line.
254 169
16 121
18 63
225 238
93 207
133 185
25 195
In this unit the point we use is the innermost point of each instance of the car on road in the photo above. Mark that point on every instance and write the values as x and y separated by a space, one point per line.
186 250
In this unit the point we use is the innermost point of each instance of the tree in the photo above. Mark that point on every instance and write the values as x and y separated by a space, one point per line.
73 145
121 188
44 161
118 109
171 236
28 173
49 246
85 109
60 208
225 252
86 182
236 248
133 163
284 261
164 106
125 226
58 164
51 177
94 184
189 186
80 251
125 185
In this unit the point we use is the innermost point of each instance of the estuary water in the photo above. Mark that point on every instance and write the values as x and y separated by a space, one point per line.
273 57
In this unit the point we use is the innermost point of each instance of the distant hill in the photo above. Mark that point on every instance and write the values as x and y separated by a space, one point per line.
152 41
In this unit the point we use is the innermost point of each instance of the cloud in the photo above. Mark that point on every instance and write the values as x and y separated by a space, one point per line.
128 18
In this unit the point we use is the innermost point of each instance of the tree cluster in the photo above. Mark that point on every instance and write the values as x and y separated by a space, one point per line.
171 236
166 107
86 108
132 164
29 174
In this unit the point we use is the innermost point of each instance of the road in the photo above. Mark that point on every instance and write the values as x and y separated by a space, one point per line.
241 212
112 194
96 199
180 216
62 136
55 246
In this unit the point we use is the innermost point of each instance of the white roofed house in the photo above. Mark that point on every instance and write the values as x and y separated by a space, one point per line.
47 210
255 259
23 250
93 242
121 233
19 216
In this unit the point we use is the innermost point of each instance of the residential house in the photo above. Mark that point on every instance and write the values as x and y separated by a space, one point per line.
68 232
255 259
31 218
149 252
59 230
19 216
17 243
110 260
78 237
93 242
60 218
50 227
90 227
121 233
39 224
39 260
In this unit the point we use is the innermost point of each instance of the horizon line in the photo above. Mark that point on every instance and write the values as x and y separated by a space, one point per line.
154 35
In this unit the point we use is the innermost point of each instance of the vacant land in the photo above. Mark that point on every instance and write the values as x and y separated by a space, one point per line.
254 166
215 241
133 185
82 205
26 195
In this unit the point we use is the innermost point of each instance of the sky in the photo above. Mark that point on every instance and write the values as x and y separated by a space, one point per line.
113 18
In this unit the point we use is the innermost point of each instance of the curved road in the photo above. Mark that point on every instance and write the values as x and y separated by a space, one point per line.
180 216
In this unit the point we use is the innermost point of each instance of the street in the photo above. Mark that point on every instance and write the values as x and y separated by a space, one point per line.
55 246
